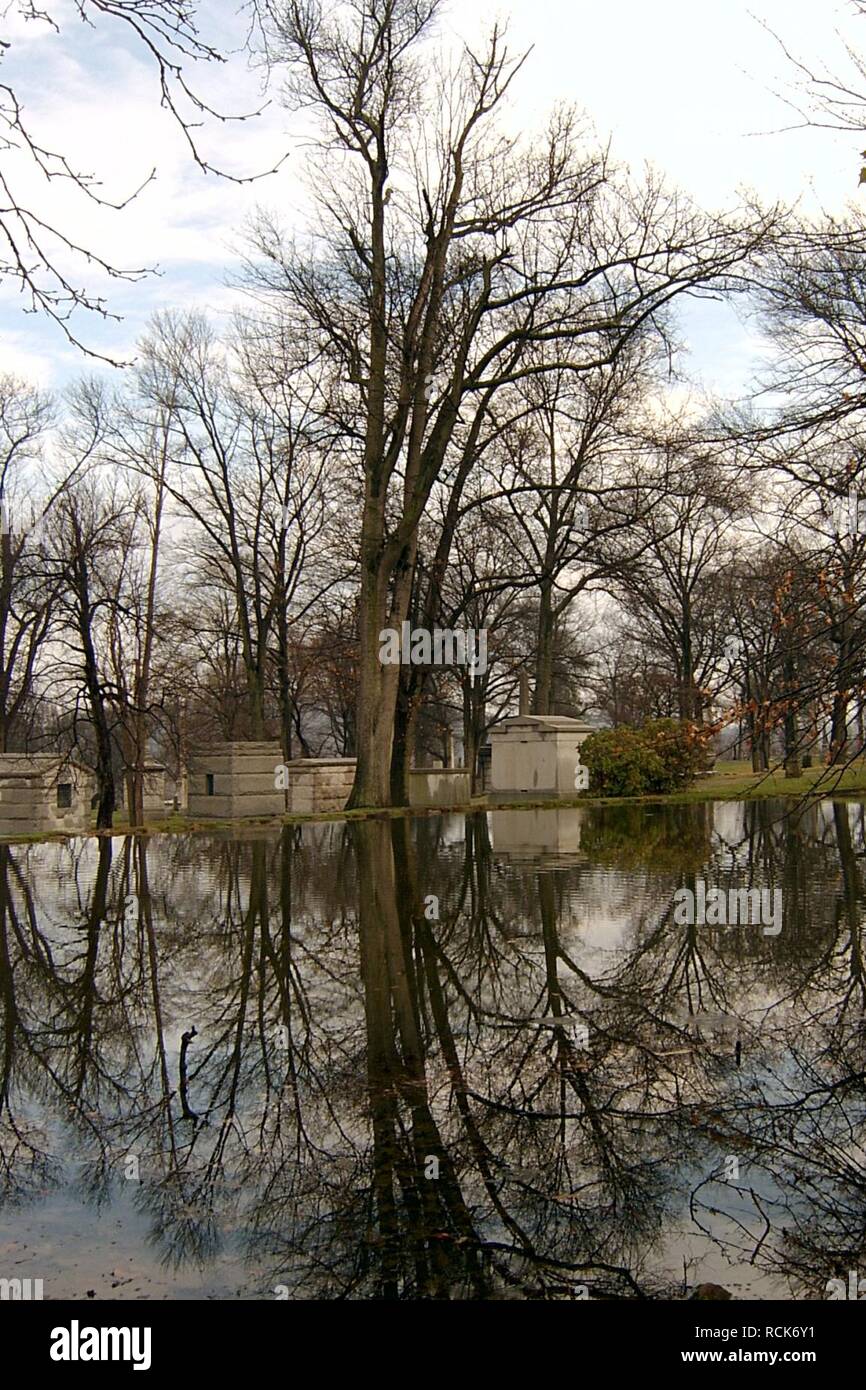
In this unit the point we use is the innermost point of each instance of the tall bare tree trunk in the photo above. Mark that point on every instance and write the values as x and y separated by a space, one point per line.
377 693
141 686
105 784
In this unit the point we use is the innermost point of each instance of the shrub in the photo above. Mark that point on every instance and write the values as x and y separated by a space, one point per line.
662 756
683 748
620 763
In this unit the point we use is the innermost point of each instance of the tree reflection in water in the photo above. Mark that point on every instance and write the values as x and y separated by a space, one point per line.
544 1089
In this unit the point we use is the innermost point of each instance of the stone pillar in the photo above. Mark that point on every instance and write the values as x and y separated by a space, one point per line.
449 747
524 692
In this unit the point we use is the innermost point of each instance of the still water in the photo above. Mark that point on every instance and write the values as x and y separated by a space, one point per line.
437 1058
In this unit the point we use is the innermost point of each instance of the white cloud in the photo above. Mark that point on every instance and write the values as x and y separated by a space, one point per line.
19 359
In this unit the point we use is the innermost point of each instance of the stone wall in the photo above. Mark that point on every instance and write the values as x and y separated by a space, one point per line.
439 786
319 785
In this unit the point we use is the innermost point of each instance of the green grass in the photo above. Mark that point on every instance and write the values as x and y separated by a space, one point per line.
731 781
737 781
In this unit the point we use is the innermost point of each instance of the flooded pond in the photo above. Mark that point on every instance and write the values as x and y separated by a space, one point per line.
524 1054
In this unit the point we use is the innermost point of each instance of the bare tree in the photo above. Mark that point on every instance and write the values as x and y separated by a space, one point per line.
669 590
91 549
248 467
447 250
26 595
830 97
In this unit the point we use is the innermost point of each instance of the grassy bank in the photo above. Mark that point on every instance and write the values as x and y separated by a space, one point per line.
731 781
737 781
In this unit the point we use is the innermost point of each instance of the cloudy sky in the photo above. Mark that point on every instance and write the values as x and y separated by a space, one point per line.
693 89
